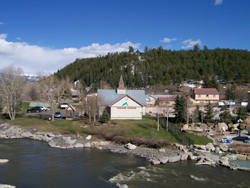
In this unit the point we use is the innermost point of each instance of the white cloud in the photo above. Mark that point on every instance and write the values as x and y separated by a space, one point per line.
218 2
1 23
33 58
18 38
168 40
190 43
3 36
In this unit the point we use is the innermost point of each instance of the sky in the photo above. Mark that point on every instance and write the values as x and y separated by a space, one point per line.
46 35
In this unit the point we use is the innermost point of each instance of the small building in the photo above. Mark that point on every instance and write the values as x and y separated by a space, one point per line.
70 112
122 103
204 95
166 101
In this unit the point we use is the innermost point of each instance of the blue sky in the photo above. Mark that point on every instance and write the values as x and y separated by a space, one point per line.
46 35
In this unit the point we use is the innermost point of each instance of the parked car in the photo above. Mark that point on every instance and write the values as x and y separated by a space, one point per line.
246 140
57 114
35 109
44 108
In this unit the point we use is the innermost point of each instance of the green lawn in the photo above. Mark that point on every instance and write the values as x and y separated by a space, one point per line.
144 129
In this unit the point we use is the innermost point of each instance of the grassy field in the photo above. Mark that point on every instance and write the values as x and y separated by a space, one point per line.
143 129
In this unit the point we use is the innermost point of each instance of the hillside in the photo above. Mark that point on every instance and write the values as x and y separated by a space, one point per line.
160 66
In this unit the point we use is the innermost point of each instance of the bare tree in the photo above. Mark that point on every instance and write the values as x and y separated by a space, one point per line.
54 90
91 106
11 85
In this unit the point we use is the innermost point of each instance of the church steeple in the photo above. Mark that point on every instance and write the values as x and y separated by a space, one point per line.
121 83
121 89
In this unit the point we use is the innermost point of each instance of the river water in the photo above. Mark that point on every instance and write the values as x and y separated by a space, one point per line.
35 164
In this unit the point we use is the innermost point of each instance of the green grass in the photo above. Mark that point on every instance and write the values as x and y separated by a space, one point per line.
62 125
200 140
145 128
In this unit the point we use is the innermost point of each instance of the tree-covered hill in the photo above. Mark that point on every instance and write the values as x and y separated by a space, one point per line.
160 66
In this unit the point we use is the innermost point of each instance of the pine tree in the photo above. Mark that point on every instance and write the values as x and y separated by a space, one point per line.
105 117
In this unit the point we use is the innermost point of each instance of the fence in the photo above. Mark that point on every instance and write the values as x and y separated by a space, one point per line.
177 132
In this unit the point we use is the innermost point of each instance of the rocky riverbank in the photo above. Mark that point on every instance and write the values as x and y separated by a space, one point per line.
210 154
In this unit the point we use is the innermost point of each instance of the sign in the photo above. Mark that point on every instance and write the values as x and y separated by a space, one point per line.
126 107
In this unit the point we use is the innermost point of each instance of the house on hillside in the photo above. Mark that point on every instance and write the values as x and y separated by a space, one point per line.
166 101
122 103
204 96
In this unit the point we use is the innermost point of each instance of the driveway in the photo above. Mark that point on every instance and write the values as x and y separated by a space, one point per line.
47 114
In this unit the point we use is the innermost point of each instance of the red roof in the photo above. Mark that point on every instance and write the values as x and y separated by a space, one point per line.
166 98
207 91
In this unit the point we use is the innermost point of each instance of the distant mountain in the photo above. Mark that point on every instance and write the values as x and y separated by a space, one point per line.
32 77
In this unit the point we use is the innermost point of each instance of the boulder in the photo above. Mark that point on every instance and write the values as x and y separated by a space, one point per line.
224 162
185 127
78 145
6 186
4 161
223 147
104 143
231 157
222 126
162 150
95 143
217 150
130 146
202 147
163 160
179 146
184 157
154 161
210 147
123 186
88 137
241 157
173 159
87 145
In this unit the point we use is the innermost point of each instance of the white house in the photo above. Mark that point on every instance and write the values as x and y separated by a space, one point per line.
122 103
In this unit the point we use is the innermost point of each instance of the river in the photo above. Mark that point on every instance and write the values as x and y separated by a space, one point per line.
35 164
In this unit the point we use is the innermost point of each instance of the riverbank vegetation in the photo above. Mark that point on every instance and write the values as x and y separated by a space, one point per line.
121 131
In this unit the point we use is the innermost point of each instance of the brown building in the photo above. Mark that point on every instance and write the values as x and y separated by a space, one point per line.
204 95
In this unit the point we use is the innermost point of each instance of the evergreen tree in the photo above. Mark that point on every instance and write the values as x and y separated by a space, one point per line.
180 109
209 112
105 117
225 116
241 114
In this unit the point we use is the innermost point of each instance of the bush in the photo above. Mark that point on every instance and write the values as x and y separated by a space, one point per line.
105 117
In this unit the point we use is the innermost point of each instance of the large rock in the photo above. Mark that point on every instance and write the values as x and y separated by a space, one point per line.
154 161
88 137
130 146
185 127
241 157
231 157
180 146
163 160
201 147
78 145
4 161
104 143
174 159
6 186
223 147
184 157
210 147
222 126
162 150
87 145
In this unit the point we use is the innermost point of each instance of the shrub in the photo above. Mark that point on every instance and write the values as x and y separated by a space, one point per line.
105 117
